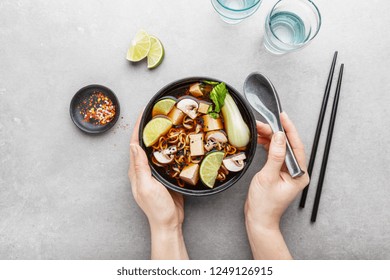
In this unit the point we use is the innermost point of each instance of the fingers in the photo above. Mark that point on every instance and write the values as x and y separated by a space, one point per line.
134 136
294 139
139 164
137 155
134 140
263 140
263 129
276 157
264 134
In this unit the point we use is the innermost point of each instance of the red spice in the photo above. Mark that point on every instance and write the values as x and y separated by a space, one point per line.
97 109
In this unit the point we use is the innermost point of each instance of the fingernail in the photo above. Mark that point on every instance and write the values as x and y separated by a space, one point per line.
279 138
285 114
134 150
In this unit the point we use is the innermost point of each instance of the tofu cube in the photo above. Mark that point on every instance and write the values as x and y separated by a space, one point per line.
210 123
203 107
196 144
190 174
176 116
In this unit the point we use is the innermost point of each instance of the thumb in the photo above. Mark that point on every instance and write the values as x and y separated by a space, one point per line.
139 162
276 155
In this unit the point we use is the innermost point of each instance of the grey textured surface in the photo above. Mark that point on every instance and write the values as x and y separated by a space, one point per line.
66 195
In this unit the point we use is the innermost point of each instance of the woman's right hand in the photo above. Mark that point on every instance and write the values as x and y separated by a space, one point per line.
272 190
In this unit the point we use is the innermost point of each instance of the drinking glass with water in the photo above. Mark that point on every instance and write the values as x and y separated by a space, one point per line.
234 11
291 25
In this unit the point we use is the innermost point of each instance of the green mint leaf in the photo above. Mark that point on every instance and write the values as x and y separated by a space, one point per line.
217 95
210 82
214 98
222 91
214 115
210 109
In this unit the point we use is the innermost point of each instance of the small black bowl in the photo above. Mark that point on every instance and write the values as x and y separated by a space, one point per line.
175 88
82 95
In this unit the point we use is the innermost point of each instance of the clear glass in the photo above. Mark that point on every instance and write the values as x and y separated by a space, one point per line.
234 11
291 25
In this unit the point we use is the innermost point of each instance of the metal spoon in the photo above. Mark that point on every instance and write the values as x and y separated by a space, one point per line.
262 96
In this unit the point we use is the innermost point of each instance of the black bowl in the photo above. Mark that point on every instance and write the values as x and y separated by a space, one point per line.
175 88
82 95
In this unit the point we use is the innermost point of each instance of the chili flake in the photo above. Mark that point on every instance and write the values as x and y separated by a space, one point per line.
97 109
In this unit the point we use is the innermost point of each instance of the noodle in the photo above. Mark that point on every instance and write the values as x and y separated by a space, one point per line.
179 136
230 150
180 182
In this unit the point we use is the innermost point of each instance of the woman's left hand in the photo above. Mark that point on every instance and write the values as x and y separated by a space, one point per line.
164 209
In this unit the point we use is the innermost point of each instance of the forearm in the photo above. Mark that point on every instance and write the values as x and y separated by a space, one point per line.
267 243
168 243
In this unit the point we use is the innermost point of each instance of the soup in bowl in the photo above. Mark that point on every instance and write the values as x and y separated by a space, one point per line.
199 135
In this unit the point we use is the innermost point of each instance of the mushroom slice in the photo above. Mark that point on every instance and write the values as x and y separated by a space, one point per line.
235 162
188 106
165 156
214 137
170 150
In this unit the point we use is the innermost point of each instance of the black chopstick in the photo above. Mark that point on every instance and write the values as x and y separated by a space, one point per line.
318 129
327 146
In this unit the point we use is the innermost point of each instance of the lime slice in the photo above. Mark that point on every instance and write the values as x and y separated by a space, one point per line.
140 46
156 53
163 107
154 129
209 168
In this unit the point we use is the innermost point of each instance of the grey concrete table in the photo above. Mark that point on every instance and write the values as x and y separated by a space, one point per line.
66 195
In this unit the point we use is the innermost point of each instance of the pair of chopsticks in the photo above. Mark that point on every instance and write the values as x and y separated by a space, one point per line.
328 138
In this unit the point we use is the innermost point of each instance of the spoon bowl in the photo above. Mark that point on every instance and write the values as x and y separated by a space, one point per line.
262 96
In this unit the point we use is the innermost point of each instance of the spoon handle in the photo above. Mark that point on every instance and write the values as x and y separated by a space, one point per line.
291 162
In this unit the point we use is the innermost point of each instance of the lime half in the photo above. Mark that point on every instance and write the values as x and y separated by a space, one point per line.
156 53
209 168
154 129
163 107
140 46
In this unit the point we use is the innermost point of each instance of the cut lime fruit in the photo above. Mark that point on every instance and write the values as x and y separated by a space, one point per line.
156 53
209 168
140 46
163 107
154 129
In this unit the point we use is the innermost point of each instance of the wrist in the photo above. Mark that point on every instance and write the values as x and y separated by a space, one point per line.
258 220
167 242
166 230
167 234
267 242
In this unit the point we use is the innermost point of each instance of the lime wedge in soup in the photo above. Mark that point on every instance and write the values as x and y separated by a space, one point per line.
209 168
163 107
154 129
